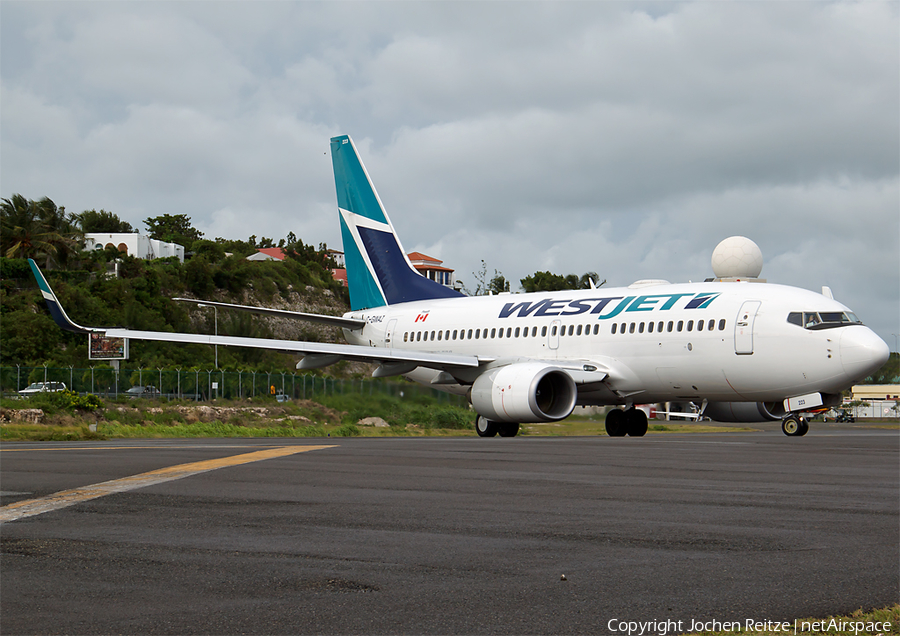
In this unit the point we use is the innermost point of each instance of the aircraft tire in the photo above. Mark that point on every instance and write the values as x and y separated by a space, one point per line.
804 428
616 423
485 427
791 426
636 422
508 429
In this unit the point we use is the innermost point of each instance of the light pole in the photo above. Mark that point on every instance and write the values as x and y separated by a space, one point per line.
216 318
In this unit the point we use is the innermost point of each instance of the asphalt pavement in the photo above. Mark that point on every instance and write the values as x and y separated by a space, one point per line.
451 535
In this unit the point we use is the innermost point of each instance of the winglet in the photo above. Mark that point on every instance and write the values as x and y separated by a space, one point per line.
56 310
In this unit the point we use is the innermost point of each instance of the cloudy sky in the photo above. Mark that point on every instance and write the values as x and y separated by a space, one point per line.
622 138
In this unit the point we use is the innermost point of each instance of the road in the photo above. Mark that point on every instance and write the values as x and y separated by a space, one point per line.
462 535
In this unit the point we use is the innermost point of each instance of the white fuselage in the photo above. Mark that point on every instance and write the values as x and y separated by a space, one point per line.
724 341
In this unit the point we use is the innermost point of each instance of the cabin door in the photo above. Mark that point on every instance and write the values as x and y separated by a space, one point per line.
743 327
389 333
553 335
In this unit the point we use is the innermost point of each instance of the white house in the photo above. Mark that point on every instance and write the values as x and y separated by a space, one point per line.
137 245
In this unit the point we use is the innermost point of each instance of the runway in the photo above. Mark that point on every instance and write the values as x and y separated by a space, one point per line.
461 535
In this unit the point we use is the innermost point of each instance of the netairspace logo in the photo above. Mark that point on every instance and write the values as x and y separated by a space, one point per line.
663 628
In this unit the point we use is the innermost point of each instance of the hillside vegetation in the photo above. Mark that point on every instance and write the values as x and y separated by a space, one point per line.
139 297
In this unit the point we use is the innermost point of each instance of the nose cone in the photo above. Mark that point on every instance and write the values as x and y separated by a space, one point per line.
862 352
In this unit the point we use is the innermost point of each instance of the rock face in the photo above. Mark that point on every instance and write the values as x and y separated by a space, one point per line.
377 422
32 416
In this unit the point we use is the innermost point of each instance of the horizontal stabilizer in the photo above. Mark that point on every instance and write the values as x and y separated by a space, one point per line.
334 321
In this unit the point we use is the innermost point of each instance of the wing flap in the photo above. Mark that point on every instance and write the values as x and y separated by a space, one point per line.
342 351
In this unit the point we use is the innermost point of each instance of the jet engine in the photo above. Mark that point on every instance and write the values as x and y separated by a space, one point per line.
744 411
524 392
757 411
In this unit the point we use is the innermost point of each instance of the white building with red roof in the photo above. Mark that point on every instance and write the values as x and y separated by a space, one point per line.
428 266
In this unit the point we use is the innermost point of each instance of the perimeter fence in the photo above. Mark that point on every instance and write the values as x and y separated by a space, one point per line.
205 384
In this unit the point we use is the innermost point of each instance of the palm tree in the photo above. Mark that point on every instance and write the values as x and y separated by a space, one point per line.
38 230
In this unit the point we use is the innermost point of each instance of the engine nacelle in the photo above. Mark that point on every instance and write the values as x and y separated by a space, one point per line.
524 392
744 411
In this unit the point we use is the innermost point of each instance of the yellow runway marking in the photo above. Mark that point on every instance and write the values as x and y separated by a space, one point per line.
32 507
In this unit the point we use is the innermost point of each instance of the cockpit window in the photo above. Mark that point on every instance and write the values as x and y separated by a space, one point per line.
823 319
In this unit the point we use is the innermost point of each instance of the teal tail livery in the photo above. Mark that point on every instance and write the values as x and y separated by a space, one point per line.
378 271
728 349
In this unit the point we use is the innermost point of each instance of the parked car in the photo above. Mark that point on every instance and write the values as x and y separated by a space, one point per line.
43 387
148 391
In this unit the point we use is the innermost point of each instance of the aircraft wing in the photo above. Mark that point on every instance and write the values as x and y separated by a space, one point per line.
335 321
393 361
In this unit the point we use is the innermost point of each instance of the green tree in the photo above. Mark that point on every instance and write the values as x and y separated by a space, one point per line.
483 286
547 281
38 230
173 228
102 221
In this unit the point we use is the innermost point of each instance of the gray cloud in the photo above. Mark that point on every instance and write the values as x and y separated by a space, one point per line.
623 138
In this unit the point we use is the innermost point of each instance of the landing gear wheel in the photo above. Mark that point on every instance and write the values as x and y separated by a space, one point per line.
485 428
792 426
636 422
804 427
508 429
616 424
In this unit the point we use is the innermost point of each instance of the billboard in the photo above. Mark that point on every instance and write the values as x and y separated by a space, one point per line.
102 348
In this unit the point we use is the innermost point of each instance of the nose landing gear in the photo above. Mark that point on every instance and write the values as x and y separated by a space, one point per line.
794 425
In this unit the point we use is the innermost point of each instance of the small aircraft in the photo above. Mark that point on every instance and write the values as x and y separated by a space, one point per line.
741 351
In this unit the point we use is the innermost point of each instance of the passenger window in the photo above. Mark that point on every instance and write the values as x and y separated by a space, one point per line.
596 328
722 324
641 328
690 325
440 334
494 332
699 325
517 332
454 334
418 336
571 329
543 331
669 327
631 329
534 332
613 330
649 327
710 324
477 334
553 332
578 331
509 332
469 336
659 326
432 335
680 325
447 335
405 336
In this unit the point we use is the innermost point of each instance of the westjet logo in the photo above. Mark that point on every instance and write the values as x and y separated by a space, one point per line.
605 308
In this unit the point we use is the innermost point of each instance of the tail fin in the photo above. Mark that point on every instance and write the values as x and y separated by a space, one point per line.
378 271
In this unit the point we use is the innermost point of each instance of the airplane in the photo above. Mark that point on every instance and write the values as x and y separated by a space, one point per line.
742 351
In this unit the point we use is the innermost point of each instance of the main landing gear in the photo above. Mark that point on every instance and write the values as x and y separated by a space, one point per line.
794 425
486 428
632 422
